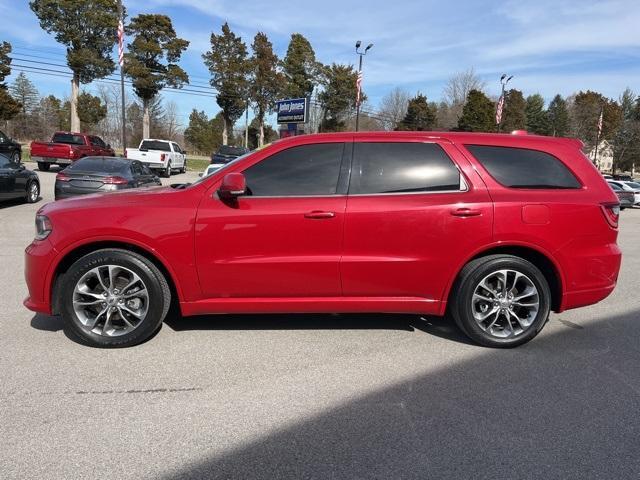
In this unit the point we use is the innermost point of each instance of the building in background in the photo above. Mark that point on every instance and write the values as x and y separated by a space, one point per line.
604 158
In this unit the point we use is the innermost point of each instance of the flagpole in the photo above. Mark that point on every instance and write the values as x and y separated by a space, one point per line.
121 61
595 155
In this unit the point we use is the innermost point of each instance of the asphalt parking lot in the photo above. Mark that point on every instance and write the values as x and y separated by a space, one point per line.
318 396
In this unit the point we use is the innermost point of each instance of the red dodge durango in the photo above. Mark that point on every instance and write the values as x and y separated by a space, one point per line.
493 230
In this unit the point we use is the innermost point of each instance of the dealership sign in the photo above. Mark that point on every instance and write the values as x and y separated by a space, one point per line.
294 110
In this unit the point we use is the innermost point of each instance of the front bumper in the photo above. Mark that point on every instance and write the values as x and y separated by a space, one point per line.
38 257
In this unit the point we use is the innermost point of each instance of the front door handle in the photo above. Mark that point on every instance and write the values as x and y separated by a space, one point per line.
466 212
319 214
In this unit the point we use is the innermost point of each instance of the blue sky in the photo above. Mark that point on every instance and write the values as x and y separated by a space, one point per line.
549 46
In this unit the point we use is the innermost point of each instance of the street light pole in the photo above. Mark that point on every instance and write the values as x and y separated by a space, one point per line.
121 62
359 79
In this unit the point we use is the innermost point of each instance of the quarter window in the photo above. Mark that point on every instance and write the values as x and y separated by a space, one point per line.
402 168
298 171
524 168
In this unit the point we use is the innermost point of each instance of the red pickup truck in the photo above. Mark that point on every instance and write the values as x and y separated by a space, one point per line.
67 147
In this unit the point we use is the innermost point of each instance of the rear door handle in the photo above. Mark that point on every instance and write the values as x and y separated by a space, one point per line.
319 214
466 212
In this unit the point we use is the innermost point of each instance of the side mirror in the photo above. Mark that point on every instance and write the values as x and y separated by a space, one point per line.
233 185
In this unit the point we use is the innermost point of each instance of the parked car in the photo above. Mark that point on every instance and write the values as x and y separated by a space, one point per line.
10 148
162 155
635 187
17 182
225 154
217 166
623 177
67 147
626 197
102 174
495 230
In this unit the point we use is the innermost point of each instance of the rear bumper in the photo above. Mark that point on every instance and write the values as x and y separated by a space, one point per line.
59 161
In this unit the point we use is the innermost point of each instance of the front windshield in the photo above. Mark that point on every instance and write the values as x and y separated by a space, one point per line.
225 167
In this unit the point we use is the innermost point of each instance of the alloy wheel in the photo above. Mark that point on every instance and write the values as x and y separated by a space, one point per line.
505 303
110 300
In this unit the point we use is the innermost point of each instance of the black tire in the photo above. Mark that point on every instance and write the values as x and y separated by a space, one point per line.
32 196
159 297
43 166
460 301
184 167
167 171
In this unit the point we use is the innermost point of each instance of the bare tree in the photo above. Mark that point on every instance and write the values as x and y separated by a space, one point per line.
171 122
456 91
393 108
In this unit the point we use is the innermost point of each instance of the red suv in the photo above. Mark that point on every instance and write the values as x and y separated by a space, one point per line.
494 230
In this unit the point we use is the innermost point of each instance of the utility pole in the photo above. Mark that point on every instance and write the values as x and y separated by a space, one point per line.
246 126
121 62
359 79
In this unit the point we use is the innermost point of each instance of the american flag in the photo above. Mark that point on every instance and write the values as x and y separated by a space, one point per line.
600 122
499 108
358 87
121 43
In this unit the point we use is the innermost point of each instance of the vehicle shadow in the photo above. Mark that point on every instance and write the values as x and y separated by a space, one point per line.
440 327
436 326
14 202
563 406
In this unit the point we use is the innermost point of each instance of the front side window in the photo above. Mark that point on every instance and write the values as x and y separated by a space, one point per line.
524 168
402 168
297 171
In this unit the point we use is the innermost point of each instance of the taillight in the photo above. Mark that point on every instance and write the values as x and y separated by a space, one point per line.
115 181
162 157
611 213
62 177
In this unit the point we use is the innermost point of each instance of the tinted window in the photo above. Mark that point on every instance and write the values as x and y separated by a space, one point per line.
5 162
615 187
155 145
68 138
524 168
99 165
402 167
136 168
234 151
303 170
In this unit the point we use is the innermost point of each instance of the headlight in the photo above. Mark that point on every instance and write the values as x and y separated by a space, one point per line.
43 227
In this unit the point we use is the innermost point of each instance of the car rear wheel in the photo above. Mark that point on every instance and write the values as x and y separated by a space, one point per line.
113 298
184 167
167 171
33 192
43 166
501 301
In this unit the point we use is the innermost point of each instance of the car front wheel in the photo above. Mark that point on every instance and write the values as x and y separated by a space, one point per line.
33 192
113 298
501 301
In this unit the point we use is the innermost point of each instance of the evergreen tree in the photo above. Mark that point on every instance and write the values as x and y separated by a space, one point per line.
626 141
537 119
513 113
227 61
88 30
9 108
266 81
585 112
338 98
24 93
478 113
90 110
152 60
421 116
558 116
300 68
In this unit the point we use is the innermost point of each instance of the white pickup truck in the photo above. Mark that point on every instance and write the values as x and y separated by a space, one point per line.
163 155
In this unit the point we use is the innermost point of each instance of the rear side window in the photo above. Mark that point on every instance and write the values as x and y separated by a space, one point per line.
68 138
524 168
402 168
304 170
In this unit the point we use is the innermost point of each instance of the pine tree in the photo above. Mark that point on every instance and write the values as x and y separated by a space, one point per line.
152 60
338 97
301 70
537 118
558 116
88 30
514 115
477 113
266 81
24 93
9 108
227 61
421 116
